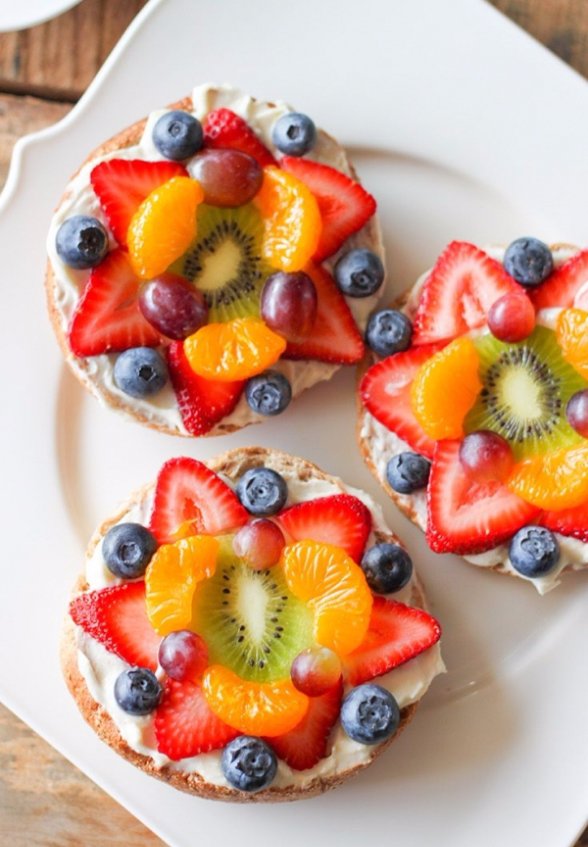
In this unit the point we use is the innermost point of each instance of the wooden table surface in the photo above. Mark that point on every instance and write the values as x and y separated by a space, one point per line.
44 800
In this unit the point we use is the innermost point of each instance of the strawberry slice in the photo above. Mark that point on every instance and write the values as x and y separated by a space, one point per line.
184 723
202 402
466 516
191 498
121 185
344 205
117 618
566 287
385 391
339 519
308 742
223 128
458 293
573 522
335 336
396 634
107 317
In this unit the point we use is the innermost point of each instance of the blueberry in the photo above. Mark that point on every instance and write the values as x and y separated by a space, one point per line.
81 241
528 260
407 472
369 714
359 273
177 135
140 372
248 763
294 134
387 568
388 331
262 491
137 691
127 549
269 393
533 551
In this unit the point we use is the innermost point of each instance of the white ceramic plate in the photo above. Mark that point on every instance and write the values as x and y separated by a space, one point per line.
19 15
463 128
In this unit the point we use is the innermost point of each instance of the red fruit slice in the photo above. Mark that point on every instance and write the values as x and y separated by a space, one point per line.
190 499
573 522
465 516
223 128
185 725
396 634
344 205
107 317
335 336
117 618
340 519
385 391
458 293
202 402
308 742
121 185
567 287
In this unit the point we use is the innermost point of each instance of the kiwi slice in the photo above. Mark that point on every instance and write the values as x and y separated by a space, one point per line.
250 621
526 389
225 261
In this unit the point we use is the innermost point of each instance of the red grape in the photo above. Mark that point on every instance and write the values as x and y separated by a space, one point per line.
259 543
183 655
315 671
228 177
512 318
289 304
486 456
577 412
173 306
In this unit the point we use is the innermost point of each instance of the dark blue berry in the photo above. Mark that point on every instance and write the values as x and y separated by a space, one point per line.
407 472
528 260
359 273
82 242
370 714
137 691
388 331
248 763
294 134
127 549
533 551
387 568
140 372
262 491
177 135
269 393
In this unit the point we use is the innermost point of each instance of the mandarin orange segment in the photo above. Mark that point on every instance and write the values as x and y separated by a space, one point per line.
572 337
292 220
233 350
171 578
334 588
255 708
553 481
164 226
445 388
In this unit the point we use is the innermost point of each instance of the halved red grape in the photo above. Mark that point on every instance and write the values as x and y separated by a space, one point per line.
173 306
315 671
228 178
289 304
485 456
183 655
512 318
260 543
577 412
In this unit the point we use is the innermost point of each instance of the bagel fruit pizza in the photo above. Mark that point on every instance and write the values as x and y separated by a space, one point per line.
249 629
474 410
211 262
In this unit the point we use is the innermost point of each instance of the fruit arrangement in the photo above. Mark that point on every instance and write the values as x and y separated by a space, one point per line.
200 270
251 625
482 377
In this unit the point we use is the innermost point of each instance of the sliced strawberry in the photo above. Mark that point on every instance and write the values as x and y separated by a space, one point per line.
385 391
117 618
187 492
223 128
465 516
202 402
458 293
344 205
566 287
121 185
185 725
339 519
573 522
308 743
107 317
396 634
335 336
